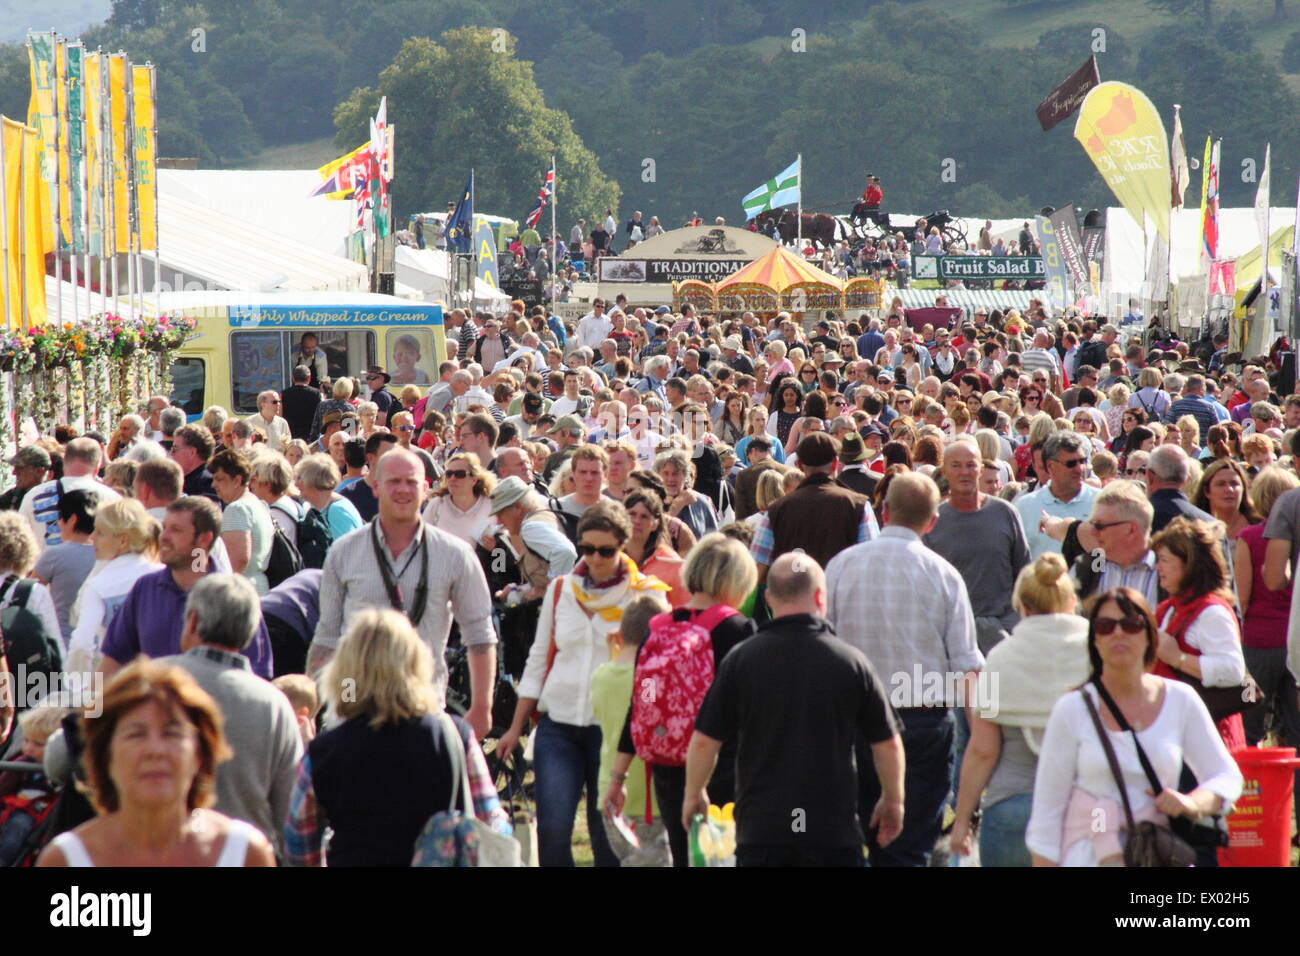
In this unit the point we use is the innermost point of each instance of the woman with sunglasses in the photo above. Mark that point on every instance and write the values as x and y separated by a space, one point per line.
462 503
808 377
1078 817
1199 635
1129 420
1002 754
580 611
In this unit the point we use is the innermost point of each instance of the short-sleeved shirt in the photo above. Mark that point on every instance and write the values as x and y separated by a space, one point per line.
152 617
796 698
342 516
249 513
66 566
1284 522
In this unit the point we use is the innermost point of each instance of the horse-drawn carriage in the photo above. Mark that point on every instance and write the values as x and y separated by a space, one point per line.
824 230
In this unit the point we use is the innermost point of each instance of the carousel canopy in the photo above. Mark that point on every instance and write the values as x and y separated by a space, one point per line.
778 270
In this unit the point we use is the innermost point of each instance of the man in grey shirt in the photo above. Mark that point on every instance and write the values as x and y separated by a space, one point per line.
64 567
981 536
427 574
222 613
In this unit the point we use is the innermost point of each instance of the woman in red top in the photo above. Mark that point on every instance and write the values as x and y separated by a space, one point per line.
1199 636
1267 613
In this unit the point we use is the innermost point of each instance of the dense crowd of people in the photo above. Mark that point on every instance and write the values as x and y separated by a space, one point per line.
873 582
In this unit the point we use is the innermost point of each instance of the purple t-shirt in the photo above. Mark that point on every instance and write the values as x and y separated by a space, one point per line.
152 617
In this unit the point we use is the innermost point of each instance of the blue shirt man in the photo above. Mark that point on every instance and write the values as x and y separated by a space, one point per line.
1064 496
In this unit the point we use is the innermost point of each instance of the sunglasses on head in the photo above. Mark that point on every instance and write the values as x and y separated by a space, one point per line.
1133 624
587 550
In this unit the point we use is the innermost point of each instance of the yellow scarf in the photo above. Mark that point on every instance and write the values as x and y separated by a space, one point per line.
608 602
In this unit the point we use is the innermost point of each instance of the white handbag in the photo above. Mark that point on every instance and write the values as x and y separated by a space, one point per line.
494 849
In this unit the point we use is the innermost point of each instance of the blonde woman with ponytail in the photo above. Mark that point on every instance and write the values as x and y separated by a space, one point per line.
1045 656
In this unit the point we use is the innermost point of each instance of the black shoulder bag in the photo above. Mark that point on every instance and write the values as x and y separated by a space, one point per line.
1148 844
1192 832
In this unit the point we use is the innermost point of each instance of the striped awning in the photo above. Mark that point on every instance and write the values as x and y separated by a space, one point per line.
968 299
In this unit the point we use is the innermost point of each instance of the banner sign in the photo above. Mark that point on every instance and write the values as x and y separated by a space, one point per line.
1066 224
1094 244
1067 97
1058 277
979 267
618 269
306 316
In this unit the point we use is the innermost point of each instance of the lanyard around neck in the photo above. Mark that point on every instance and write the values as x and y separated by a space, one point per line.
390 583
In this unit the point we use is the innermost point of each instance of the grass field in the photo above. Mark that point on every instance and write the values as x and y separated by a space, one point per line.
309 155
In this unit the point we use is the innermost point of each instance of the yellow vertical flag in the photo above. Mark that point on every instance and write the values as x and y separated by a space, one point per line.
146 177
1125 138
94 152
11 148
63 169
119 135
37 228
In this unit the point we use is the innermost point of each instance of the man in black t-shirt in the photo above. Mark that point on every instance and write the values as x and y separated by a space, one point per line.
378 381
795 698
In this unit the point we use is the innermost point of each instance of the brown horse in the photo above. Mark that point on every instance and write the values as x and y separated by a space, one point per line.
818 228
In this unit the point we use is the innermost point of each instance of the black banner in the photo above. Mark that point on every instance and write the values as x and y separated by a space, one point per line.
621 269
1069 96
1070 242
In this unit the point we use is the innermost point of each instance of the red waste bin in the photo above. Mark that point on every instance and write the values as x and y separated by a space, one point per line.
1259 828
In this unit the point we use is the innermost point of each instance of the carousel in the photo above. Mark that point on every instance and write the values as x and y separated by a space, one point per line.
780 281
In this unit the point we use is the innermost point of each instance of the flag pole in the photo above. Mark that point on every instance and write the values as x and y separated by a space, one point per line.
83 183
58 183
799 215
157 257
555 257
128 150
105 127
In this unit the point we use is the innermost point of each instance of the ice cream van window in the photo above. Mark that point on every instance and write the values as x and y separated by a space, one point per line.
187 376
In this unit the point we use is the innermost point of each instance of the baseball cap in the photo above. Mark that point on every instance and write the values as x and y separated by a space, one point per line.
532 402
817 450
31 457
569 423
1109 329
874 428
885 375
662 310
510 491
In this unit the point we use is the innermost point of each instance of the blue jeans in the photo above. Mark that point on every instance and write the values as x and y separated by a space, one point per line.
565 760
1002 832
927 747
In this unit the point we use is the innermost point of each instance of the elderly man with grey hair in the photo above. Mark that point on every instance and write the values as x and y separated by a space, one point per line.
268 419
1065 495
170 421
222 614
1167 471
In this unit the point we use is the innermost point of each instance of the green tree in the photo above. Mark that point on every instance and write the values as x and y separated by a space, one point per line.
1191 7
458 103
1290 54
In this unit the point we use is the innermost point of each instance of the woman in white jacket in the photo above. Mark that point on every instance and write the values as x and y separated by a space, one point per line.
580 611
1045 656
126 547
1075 790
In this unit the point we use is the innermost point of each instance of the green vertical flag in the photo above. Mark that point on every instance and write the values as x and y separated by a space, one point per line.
76 143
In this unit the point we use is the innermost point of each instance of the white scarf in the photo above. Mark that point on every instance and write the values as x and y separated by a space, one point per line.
1045 656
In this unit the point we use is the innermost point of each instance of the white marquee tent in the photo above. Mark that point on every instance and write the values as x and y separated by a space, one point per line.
425 270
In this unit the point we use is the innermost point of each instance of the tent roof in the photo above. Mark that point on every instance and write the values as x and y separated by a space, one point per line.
778 270
426 270
224 252
968 299
276 200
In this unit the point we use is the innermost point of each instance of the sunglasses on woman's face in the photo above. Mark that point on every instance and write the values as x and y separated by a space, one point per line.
587 550
1132 624
456 473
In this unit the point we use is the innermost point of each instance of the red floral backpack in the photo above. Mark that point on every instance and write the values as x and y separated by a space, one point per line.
673 673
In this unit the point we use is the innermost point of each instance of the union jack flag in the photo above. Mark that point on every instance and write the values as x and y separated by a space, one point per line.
543 197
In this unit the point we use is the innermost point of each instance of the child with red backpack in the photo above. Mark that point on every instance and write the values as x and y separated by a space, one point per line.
674 669
611 689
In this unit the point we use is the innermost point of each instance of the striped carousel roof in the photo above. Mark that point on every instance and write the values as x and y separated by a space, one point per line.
778 270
